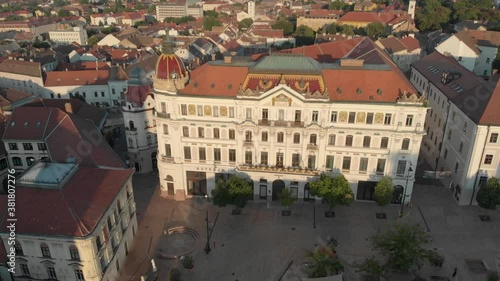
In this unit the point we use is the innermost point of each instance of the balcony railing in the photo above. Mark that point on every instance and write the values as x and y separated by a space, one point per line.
248 142
312 146
163 115
297 124
282 170
168 159
264 122
280 123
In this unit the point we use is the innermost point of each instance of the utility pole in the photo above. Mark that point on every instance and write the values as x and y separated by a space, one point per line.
207 247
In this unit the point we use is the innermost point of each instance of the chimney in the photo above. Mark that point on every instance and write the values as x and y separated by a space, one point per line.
227 59
68 107
213 56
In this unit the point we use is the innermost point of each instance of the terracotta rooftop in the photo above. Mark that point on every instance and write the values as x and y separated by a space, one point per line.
411 43
463 91
27 68
488 38
54 126
13 95
393 45
73 211
367 17
84 77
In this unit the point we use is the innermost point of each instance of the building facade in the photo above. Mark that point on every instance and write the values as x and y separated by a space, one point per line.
282 121
462 124
65 37
171 10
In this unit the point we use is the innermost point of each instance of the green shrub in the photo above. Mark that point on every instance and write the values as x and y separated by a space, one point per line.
493 276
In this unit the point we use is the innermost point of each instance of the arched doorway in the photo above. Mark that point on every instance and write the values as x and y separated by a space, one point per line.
278 186
154 161
250 183
263 189
170 185
307 193
397 195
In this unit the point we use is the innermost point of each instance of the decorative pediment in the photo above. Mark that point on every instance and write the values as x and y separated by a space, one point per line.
282 98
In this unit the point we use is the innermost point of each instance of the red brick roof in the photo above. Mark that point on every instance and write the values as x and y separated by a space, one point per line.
367 17
13 95
73 211
327 52
81 77
411 43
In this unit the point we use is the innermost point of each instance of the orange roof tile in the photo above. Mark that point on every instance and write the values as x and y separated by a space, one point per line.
411 43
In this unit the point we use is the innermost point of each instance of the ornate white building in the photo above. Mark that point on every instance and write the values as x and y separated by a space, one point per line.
282 120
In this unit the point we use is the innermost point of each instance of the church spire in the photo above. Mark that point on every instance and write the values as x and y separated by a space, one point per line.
167 45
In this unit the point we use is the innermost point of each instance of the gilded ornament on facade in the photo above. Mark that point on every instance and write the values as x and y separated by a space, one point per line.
265 84
360 117
343 116
192 109
223 111
208 110
301 85
379 118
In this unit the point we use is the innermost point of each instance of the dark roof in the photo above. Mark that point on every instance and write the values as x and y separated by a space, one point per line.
21 67
463 91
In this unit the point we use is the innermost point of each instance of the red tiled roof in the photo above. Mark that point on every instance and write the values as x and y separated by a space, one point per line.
82 77
270 33
327 52
324 13
491 114
73 211
13 95
491 37
368 17
411 43
393 45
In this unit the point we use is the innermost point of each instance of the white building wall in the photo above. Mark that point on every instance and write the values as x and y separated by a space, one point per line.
93 94
66 37
485 60
176 166
29 84
460 51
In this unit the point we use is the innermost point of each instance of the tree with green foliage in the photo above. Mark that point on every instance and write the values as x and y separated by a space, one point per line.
13 18
488 197
405 246
60 3
285 45
339 5
493 276
431 15
210 22
174 275
286 198
323 261
152 9
178 21
245 23
470 9
109 30
373 269
347 30
304 35
375 29
63 13
41 45
333 29
187 262
232 191
283 23
83 2
212 14
384 192
92 41
334 190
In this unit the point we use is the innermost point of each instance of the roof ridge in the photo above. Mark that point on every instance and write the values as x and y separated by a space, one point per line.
352 50
55 127
80 135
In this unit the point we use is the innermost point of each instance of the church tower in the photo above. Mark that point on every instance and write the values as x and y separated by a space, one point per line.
171 74
251 9
411 8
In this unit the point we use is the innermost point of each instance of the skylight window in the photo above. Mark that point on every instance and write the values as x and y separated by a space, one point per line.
13 123
26 124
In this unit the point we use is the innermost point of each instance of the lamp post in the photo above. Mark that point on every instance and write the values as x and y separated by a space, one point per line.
404 191
207 247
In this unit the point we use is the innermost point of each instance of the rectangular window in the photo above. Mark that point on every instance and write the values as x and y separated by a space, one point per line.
168 150
165 129
185 131
102 93
330 161
216 133
348 140
298 116
79 275
248 114
380 166
296 138
265 114
202 154
311 162
295 160
313 139
217 154
27 146
445 154
456 167
494 137
95 94
232 155
352 117
369 118
248 157
333 116
315 117
201 132
264 136
24 270
279 159
363 164
384 142
187 152
42 146
232 134
13 146
216 111
387 119
465 127
409 120
163 107
264 158
231 112
449 134
73 252
184 110
461 147
346 163
51 272
281 115
199 109
488 159
401 168
45 251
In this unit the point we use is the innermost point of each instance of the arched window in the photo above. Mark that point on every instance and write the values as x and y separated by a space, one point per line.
170 185
45 250
281 137
131 124
73 252
331 139
313 138
264 136
248 136
406 144
348 140
366 141
17 161
296 138
30 160
130 143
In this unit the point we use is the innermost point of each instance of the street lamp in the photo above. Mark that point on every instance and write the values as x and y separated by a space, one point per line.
404 191
207 247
